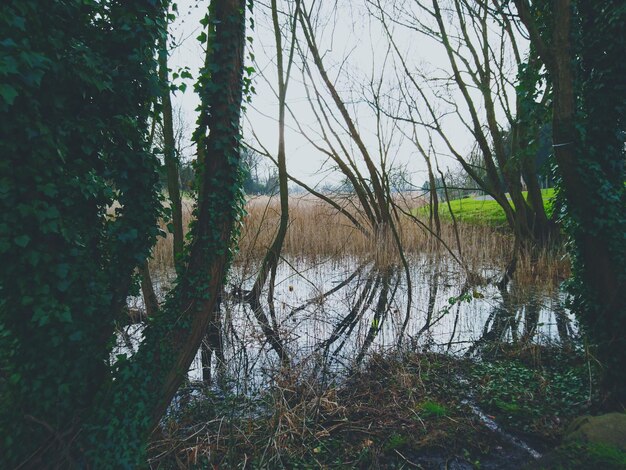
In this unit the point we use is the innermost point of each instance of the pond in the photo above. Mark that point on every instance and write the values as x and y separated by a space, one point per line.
330 315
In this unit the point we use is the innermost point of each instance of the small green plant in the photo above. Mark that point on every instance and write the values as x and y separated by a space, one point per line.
507 407
530 398
395 441
430 408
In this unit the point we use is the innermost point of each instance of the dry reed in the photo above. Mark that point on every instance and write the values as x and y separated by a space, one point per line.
397 409
317 231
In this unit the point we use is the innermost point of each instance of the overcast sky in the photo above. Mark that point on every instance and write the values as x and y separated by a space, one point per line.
355 50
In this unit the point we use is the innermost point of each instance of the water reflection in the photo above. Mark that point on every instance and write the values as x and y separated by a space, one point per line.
330 316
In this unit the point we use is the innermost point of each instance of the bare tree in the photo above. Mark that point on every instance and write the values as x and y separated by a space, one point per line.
478 92
370 188
270 261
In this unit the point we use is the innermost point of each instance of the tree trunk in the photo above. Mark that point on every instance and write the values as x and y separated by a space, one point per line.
169 153
147 290
144 385
434 198
592 171
270 261
272 257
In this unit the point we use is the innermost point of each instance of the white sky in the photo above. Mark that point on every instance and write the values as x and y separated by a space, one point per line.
354 46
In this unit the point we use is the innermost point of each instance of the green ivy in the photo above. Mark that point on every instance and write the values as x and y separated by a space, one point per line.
601 165
78 208
79 205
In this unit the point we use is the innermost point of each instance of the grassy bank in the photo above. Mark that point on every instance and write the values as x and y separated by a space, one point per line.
407 410
482 212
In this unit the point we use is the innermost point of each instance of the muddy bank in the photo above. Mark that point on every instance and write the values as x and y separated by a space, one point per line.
403 410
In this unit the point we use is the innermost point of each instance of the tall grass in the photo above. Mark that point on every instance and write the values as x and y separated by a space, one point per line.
317 231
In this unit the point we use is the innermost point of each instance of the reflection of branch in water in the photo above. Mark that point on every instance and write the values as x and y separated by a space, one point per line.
382 308
320 298
407 316
531 320
128 342
502 319
355 314
432 298
270 302
272 336
253 298
236 346
456 322
563 323
212 342
433 289
271 330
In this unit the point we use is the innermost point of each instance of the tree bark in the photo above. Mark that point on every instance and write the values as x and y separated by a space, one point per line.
144 385
592 171
169 153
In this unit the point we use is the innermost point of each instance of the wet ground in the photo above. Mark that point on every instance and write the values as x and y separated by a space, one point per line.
336 313
380 370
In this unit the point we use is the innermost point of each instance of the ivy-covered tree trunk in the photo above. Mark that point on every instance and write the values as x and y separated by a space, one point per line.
169 154
145 384
78 209
585 61
78 214
593 169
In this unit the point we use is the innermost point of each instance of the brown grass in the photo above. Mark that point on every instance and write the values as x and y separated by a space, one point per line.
397 412
317 231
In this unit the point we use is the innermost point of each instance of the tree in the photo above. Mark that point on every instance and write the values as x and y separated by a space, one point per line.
169 152
369 185
479 56
76 95
271 258
581 46
250 162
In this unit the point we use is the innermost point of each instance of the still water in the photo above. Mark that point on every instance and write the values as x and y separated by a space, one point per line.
330 315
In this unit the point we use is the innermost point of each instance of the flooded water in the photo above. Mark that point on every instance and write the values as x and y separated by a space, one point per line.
330 315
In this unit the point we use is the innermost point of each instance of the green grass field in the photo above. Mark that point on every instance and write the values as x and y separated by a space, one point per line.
482 212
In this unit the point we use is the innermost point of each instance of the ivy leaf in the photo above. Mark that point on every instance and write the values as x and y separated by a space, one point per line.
63 270
22 240
477 295
64 285
76 336
8 93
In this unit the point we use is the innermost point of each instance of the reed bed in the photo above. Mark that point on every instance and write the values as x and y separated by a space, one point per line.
318 231
390 411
